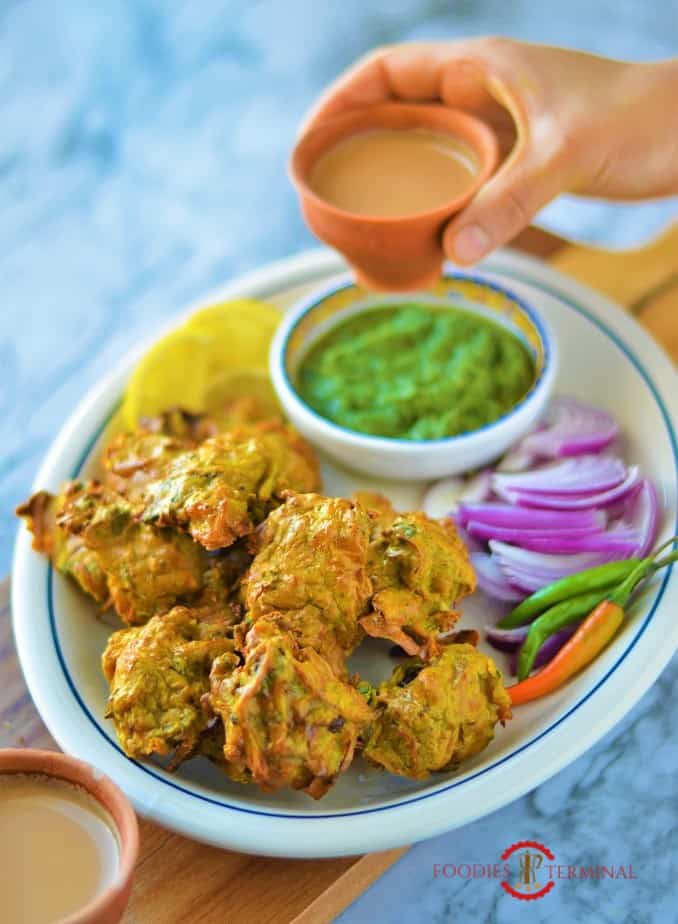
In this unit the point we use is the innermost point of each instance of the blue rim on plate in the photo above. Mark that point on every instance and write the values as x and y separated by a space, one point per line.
566 299
333 289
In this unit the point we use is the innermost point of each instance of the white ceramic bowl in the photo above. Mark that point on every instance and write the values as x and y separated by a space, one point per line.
414 460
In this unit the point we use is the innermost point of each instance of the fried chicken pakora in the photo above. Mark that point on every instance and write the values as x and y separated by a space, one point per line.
309 574
419 570
289 720
431 716
158 674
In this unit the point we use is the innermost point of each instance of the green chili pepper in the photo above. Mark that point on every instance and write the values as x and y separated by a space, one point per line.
648 566
602 577
553 620
595 632
568 611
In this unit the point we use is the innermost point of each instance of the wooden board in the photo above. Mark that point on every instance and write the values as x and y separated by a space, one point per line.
178 880
645 281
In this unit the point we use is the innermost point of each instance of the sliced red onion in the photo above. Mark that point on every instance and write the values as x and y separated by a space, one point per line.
523 537
548 563
623 543
529 581
506 639
524 582
558 501
571 428
508 515
474 546
443 498
542 523
578 476
643 515
617 510
548 650
491 580
533 570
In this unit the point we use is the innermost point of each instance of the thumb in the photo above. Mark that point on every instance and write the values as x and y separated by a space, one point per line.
502 208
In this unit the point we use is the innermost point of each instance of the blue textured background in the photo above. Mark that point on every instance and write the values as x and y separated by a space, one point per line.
142 150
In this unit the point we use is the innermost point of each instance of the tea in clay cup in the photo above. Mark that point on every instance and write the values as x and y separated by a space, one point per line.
386 252
41 769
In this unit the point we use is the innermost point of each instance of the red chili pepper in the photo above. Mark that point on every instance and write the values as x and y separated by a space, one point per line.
591 637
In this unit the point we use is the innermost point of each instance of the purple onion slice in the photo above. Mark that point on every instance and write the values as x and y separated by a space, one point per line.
519 518
571 428
491 580
506 639
582 475
582 501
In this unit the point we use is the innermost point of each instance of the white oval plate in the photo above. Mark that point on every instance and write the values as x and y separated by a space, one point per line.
606 358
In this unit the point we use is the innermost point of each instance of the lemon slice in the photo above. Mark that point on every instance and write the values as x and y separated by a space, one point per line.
240 330
175 371
220 355
245 393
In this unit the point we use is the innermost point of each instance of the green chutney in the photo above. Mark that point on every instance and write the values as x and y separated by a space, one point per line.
415 372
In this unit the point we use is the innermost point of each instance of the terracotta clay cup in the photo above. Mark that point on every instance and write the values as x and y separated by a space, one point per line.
394 253
109 906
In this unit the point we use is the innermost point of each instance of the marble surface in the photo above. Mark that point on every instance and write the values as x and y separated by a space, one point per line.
615 805
142 150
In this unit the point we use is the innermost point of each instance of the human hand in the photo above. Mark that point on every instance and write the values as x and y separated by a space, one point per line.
566 122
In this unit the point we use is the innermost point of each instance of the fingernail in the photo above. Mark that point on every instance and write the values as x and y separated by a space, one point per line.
470 244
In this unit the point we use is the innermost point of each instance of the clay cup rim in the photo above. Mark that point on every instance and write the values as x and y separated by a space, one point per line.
475 133
108 795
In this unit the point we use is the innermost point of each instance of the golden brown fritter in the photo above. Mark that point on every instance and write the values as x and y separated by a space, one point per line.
248 409
419 569
223 416
182 424
380 508
148 570
221 580
433 716
136 458
222 489
309 574
68 553
211 746
246 593
158 674
90 534
288 719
